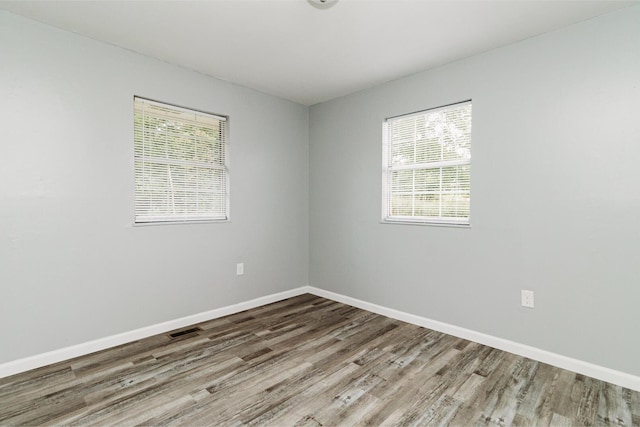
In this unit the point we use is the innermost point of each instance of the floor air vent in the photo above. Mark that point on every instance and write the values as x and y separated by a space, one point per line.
184 332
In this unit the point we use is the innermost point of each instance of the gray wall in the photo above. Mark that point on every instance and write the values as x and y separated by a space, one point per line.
72 266
555 196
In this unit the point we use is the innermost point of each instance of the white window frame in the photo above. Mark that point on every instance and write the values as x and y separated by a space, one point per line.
388 168
140 158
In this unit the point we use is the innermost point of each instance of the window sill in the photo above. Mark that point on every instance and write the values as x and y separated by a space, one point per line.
422 223
203 221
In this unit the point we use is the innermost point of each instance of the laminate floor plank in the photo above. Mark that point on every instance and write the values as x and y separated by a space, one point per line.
309 361
279 395
400 389
538 402
307 401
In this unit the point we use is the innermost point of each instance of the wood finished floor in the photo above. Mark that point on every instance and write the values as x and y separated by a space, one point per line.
309 361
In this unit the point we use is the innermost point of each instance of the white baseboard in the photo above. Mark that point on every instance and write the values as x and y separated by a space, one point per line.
605 374
39 360
589 369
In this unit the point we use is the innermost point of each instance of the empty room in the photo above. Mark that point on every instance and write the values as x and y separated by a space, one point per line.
320 212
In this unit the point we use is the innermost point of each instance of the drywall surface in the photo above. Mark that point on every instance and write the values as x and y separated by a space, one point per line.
555 196
73 268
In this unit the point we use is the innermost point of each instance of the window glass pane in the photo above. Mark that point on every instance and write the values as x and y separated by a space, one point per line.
427 179
403 153
427 205
401 205
456 178
455 205
428 150
402 181
456 134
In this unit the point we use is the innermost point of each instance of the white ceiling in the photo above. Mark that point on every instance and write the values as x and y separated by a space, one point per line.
295 51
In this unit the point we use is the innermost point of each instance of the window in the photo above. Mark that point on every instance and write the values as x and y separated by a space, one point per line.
181 172
427 166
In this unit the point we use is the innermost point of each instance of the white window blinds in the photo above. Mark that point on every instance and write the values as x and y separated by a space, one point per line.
427 166
180 164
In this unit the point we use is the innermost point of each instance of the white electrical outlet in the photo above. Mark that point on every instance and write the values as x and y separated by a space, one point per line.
240 268
526 298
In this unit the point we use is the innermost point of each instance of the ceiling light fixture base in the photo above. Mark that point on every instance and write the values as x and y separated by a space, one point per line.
322 4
